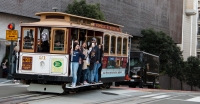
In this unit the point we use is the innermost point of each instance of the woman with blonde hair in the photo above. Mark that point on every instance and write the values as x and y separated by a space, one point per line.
85 63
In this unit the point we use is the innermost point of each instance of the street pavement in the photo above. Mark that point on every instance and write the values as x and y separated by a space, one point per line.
4 80
114 95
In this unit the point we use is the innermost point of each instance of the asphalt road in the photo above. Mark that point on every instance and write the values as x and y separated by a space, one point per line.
119 95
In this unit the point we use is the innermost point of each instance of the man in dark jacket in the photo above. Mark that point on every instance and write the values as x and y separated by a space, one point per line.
97 64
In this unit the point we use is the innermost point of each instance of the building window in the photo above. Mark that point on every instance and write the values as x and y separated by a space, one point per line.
198 55
113 44
125 46
199 17
198 44
198 30
106 43
119 45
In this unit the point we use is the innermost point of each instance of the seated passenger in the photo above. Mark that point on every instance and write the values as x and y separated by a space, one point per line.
57 46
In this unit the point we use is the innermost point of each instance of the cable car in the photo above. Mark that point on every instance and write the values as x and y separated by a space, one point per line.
44 56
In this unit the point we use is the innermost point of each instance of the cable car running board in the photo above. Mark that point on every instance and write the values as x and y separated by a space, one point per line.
68 85
45 88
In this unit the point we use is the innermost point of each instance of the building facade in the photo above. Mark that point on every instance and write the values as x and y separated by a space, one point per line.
189 28
134 15
198 34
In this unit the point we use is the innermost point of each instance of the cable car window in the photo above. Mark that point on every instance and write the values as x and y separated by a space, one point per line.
113 44
119 45
28 39
82 36
89 38
43 39
98 40
125 46
58 40
74 34
106 43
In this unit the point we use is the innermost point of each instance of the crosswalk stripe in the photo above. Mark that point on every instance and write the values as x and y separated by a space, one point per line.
162 96
195 99
152 95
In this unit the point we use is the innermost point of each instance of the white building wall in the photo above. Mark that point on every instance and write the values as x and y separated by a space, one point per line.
189 34
5 19
194 34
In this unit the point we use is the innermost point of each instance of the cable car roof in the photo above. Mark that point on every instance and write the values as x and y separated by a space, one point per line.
71 15
67 24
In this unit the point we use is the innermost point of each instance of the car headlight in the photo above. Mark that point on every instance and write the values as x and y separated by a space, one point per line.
135 69
135 76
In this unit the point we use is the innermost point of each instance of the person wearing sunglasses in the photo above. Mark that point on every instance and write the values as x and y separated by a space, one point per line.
95 48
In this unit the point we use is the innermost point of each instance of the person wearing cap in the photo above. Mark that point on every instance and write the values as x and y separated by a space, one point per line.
95 48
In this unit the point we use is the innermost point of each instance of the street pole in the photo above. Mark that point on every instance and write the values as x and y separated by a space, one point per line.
10 62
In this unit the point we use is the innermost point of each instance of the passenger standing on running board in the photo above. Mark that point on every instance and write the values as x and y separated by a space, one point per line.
95 48
80 68
75 62
92 63
85 70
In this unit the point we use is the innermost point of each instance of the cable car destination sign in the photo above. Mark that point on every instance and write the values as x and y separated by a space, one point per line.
106 27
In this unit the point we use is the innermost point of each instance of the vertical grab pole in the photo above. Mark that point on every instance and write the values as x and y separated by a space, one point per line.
71 58
129 56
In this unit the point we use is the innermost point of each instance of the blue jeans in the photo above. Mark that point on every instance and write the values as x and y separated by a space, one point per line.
79 73
85 74
74 67
94 78
90 75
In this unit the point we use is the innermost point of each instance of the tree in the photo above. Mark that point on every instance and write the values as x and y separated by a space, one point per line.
180 73
192 71
85 10
157 43
160 44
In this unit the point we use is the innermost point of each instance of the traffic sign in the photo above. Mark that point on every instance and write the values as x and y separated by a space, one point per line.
11 35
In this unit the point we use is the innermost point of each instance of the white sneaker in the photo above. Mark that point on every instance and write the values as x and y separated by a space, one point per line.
73 85
85 83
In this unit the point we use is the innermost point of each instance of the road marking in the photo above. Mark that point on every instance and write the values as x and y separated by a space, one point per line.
195 99
152 95
159 100
162 96
14 85
121 92
6 81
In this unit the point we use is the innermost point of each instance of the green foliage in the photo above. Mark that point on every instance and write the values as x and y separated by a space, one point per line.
87 10
192 71
171 61
157 87
160 44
